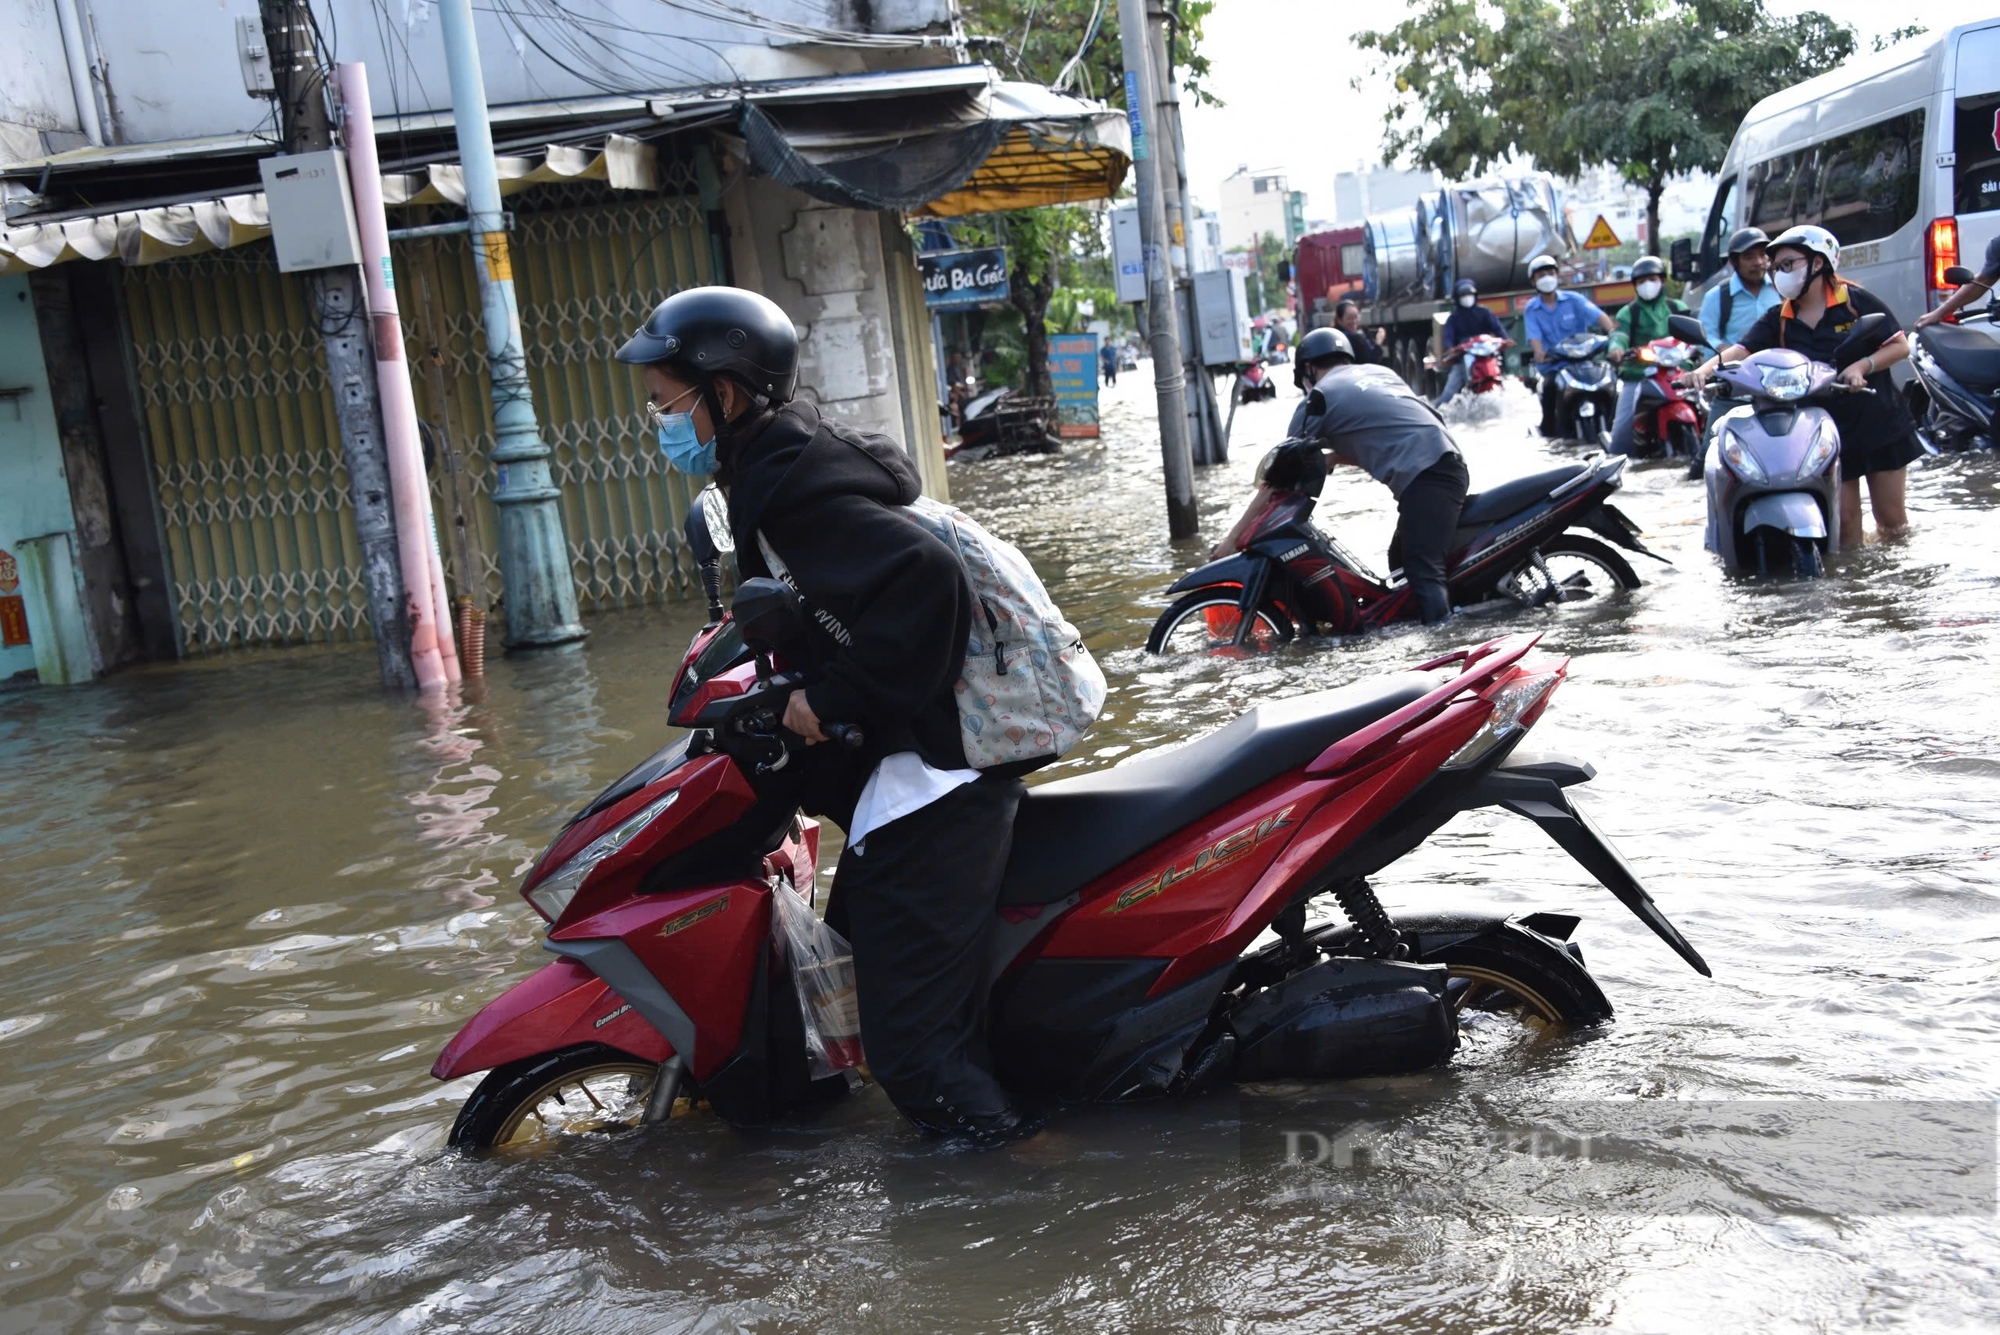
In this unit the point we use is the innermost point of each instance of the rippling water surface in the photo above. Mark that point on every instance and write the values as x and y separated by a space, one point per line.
247 901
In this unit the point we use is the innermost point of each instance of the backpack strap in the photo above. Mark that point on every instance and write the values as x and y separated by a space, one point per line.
1722 325
784 572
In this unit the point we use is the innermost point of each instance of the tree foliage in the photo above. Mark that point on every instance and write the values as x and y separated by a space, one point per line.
1073 46
1653 88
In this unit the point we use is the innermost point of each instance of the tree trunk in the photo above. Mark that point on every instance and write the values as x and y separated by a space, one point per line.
1032 301
1654 186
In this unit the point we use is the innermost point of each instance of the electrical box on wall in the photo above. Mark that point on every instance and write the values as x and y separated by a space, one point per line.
1225 317
1128 256
312 211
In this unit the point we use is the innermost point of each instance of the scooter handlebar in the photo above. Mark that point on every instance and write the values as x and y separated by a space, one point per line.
848 736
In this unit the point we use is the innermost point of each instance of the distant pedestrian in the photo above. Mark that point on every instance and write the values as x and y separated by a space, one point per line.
1108 358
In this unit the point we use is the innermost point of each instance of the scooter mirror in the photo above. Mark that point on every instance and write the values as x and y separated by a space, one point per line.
768 613
1688 330
1869 333
1958 276
698 539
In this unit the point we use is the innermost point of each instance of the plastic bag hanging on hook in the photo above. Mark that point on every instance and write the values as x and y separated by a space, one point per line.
822 965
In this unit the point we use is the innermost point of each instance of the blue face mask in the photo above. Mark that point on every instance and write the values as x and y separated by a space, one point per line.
685 453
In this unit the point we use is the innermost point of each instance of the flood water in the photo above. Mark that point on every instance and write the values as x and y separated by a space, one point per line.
247 901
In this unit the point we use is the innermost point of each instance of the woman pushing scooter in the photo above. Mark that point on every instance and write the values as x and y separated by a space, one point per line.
1878 437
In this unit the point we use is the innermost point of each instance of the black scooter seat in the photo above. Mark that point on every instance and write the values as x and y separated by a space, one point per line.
1483 507
1969 356
1072 831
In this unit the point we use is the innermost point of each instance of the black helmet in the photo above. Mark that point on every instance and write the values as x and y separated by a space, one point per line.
711 331
1649 266
1746 238
1465 287
1319 345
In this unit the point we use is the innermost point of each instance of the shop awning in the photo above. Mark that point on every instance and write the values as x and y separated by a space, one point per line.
147 236
943 141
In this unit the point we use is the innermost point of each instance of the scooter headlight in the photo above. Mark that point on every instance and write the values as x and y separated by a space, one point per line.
1787 382
1823 451
551 898
1510 704
1740 459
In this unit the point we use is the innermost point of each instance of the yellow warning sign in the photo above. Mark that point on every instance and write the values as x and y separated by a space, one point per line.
1601 236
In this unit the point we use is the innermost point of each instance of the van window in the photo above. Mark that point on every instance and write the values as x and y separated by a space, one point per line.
1861 186
1977 187
1721 225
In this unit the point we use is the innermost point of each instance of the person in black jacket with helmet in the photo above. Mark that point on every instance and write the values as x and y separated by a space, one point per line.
819 505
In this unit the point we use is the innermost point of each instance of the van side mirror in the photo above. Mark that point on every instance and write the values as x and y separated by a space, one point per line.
1284 271
1957 275
1869 333
1680 256
1689 330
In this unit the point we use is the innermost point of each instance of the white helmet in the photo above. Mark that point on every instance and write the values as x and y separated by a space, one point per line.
1817 240
1540 262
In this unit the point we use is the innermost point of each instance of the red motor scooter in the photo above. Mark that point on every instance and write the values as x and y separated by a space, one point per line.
1122 959
1668 421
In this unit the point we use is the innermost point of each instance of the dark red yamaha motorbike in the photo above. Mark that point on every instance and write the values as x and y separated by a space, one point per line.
1532 541
1151 937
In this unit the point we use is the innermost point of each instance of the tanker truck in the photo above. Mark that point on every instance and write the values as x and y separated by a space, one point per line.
1400 266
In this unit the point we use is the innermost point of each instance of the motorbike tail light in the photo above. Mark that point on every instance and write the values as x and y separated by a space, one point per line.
1941 253
552 896
1518 701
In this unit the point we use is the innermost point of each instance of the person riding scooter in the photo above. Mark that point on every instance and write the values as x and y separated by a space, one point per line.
818 506
1467 321
1642 320
1734 304
1878 438
1367 416
1552 316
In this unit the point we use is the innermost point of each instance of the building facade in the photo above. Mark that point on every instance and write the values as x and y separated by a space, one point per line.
1260 203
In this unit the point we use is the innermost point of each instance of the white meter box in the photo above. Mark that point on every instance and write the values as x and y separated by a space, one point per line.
312 210
1225 317
1128 255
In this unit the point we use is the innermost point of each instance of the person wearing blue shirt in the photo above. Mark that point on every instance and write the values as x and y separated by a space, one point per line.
1551 317
1467 321
1736 303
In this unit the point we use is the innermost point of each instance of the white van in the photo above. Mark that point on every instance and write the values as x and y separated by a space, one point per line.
1896 153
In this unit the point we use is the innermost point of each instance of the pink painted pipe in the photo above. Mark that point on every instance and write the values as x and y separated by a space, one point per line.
432 647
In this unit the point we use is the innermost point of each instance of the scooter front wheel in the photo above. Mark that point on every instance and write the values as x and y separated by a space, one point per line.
590 1090
1207 619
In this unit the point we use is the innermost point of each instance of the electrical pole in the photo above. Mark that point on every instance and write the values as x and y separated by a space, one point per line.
1162 316
537 590
350 359
1206 442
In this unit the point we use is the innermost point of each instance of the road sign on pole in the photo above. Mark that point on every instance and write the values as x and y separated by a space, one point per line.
1601 236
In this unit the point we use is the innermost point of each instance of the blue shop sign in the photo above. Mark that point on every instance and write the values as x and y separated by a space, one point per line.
954 278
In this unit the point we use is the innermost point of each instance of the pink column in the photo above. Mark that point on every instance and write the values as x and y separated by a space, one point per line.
431 642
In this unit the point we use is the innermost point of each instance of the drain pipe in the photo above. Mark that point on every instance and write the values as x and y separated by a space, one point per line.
432 648
78 58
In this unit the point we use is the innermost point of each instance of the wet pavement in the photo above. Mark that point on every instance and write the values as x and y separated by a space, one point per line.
247 901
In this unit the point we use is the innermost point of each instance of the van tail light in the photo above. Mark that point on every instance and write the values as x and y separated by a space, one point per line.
1940 253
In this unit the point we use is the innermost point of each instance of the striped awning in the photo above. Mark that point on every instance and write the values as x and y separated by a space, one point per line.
147 236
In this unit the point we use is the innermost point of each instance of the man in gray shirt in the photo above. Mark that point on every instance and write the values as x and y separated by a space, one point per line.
1367 416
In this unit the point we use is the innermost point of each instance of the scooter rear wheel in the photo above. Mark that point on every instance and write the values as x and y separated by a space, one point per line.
581 1091
1206 619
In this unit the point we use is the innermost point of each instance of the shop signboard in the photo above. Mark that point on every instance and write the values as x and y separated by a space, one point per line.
1073 374
955 279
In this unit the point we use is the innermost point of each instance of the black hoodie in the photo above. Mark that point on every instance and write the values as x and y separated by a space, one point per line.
829 501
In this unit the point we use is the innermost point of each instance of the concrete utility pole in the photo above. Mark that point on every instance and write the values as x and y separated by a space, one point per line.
1207 443
350 359
536 586
1162 316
